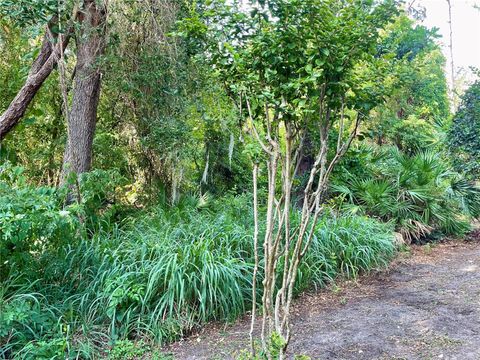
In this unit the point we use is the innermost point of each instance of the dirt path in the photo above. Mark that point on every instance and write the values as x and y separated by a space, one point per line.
427 306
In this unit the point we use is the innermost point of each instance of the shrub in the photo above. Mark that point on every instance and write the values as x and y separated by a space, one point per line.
419 193
37 220
464 134
127 350
32 220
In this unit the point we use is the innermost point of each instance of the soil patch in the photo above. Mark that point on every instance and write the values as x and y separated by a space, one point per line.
425 306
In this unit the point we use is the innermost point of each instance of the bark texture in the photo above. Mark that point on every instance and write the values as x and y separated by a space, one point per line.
284 241
39 72
82 117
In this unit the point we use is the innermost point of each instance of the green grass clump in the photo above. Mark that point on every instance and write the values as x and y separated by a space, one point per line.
165 271
181 268
346 246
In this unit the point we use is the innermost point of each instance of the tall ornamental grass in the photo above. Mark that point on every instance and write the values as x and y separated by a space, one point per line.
163 273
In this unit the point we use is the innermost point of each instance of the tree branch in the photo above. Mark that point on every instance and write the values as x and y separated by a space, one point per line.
39 72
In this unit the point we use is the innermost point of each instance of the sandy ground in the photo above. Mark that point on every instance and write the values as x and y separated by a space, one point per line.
426 306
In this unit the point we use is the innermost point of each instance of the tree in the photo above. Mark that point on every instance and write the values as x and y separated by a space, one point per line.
291 67
415 89
464 134
453 94
88 26
160 112
82 118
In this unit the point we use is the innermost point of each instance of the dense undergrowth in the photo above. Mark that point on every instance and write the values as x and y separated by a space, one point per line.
97 279
72 291
420 192
197 98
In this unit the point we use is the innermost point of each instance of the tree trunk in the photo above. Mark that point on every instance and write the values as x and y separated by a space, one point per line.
304 166
41 69
452 65
86 91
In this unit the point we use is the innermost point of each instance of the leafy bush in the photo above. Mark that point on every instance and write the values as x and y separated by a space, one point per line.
32 220
36 220
100 198
29 328
464 134
127 350
419 193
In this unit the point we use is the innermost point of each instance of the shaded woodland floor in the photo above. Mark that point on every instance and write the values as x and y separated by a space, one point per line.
426 306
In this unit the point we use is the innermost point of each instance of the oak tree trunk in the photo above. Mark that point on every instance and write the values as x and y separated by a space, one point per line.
86 90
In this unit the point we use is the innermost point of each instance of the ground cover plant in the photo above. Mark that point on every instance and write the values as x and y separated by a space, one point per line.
159 275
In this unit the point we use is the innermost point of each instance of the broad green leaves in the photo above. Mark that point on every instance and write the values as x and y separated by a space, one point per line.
30 12
464 135
414 86
288 55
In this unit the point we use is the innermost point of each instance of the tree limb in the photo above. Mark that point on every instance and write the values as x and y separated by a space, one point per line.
39 72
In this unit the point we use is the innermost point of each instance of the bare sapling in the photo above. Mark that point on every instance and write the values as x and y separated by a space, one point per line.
286 243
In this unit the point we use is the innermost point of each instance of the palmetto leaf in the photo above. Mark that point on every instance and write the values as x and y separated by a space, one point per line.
419 192
419 195
341 189
413 229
